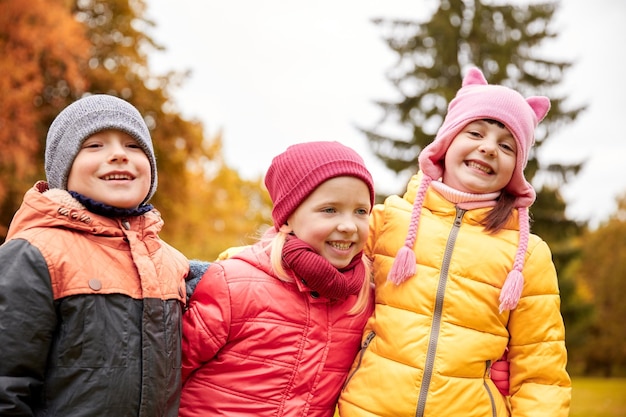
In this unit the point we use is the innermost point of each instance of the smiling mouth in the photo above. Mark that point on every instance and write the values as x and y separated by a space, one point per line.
479 167
340 246
117 177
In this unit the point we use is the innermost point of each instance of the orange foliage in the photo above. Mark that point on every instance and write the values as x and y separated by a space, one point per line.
53 51
42 51
602 269
222 209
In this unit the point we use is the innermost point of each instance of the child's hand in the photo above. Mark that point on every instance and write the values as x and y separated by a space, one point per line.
500 375
196 270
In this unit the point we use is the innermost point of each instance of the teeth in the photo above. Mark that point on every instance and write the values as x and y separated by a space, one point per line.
340 246
117 177
483 168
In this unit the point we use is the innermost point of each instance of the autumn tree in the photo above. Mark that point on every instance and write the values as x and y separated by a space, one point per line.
228 211
43 58
602 270
118 65
206 205
114 44
565 242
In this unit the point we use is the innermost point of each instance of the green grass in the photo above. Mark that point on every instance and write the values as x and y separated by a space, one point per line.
598 397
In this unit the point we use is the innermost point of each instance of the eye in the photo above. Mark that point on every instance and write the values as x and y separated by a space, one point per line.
134 145
329 210
508 147
362 212
91 144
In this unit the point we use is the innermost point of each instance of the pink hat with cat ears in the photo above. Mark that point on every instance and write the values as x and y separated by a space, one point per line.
477 100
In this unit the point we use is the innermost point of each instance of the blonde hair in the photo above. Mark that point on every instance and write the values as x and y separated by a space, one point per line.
276 243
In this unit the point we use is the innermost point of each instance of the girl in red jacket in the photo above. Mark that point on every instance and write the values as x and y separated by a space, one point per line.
273 330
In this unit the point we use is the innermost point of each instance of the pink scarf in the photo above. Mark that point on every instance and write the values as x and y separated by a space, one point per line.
320 275
465 200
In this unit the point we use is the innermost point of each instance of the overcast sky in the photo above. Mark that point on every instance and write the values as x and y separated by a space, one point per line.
275 72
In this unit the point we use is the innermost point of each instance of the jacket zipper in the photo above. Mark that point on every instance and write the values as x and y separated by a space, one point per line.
434 333
364 346
489 393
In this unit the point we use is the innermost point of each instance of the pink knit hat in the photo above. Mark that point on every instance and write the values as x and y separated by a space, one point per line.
297 172
478 100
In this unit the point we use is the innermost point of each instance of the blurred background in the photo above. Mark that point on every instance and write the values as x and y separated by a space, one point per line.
225 86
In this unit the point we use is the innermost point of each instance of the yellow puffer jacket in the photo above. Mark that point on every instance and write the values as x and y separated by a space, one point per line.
428 348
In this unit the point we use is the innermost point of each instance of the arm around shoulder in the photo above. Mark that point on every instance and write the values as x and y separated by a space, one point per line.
206 323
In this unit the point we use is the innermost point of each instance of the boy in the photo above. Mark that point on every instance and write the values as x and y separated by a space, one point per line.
90 298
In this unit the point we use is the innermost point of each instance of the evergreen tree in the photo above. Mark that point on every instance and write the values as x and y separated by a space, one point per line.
502 40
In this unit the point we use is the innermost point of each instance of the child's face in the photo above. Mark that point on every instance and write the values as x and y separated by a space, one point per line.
111 168
334 219
480 159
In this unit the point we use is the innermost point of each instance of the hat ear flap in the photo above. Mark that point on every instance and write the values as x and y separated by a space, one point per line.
540 106
474 77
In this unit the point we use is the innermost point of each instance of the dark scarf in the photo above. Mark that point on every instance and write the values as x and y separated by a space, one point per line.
319 274
109 211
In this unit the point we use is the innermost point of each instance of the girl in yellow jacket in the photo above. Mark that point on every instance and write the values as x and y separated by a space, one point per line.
460 280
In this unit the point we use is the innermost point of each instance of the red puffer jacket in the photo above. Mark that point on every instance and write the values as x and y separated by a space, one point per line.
254 345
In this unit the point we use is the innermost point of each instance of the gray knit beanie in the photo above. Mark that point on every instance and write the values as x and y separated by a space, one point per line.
85 117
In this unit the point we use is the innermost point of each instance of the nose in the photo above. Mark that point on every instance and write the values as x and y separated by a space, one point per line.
487 147
347 225
118 154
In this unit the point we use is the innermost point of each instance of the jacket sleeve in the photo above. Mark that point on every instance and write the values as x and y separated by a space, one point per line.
540 385
375 225
27 323
206 323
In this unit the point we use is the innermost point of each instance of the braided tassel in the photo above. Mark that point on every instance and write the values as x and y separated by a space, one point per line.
511 290
514 284
405 264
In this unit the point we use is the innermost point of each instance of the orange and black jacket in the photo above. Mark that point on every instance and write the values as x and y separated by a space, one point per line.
90 312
